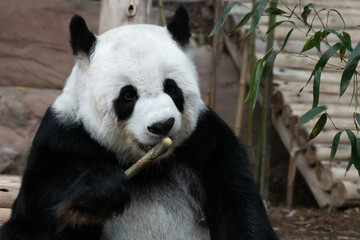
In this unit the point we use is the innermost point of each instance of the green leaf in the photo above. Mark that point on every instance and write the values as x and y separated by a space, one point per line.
334 10
354 153
335 144
277 24
260 7
343 49
316 87
274 11
347 36
222 18
242 22
323 60
286 38
348 166
306 12
254 84
319 126
310 115
309 44
357 117
268 66
343 39
350 69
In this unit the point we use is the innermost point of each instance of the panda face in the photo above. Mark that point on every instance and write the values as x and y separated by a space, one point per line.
136 87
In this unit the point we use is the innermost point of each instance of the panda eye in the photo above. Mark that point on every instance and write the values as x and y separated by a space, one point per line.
128 93
169 86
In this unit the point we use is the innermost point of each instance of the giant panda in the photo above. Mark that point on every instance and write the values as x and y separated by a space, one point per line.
130 87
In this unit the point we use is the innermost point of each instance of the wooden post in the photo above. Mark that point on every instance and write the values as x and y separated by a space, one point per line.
291 177
217 48
114 13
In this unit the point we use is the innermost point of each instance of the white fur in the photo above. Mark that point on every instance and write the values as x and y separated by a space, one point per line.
161 212
142 56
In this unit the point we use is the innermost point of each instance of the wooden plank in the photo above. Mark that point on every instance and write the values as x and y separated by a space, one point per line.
4 215
8 193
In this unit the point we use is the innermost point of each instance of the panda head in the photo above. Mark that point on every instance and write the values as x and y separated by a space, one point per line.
132 85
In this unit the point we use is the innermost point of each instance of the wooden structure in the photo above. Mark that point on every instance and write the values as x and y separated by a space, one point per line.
328 184
9 189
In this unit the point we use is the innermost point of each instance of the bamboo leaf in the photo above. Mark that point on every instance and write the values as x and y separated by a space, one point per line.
277 24
348 166
222 18
323 60
286 39
242 22
335 144
343 49
354 153
316 87
357 117
309 44
255 80
319 126
258 13
274 11
350 69
310 115
268 66
334 10
306 12
343 39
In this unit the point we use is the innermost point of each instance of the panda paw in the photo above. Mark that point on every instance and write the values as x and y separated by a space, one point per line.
97 195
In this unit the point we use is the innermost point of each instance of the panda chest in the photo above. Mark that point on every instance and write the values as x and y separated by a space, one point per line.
164 210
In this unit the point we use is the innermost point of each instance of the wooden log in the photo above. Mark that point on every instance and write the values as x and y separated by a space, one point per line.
329 176
8 193
114 13
346 193
278 102
4 215
311 157
9 178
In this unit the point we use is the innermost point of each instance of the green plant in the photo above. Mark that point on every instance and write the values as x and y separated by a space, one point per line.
315 38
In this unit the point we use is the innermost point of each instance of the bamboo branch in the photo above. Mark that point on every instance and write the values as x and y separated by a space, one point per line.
156 151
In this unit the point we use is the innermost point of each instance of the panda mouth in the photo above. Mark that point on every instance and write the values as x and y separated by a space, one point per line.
145 147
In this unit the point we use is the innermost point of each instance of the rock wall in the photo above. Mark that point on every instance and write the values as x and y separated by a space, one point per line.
35 60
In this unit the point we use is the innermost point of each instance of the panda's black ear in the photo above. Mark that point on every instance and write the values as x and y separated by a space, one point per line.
179 26
81 39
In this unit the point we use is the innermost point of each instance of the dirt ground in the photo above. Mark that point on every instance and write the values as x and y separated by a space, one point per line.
314 223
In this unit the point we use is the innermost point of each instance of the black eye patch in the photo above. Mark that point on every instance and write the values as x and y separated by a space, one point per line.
125 103
172 89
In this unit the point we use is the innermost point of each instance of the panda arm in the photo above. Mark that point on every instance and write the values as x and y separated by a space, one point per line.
71 175
233 206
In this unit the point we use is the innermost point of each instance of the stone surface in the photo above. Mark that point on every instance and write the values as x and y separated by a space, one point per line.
21 110
34 40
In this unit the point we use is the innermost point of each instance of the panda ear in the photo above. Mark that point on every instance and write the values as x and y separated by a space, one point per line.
179 26
81 39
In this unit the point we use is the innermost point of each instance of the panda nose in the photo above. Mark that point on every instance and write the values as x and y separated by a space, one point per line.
162 128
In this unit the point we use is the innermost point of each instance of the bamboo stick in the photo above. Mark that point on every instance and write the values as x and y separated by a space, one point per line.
156 151
242 86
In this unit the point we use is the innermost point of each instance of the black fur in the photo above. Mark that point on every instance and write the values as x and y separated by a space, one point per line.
179 26
125 103
65 163
81 39
67 174
172 89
